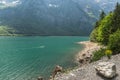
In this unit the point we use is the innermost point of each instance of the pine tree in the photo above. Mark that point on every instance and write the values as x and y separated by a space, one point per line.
116 19
102 15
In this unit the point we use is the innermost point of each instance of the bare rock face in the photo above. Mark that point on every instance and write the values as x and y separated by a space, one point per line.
106 69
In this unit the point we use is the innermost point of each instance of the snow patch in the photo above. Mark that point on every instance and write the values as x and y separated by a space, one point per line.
10 4
97 1
53 5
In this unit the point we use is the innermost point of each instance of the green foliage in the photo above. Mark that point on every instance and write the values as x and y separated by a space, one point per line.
116 19
108 53
97 55
114 42
93 36
104 29
4 30
107 30
101 33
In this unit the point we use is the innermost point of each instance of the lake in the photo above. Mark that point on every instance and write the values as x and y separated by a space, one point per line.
26 58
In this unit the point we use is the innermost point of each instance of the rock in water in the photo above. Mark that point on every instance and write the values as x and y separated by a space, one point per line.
106 69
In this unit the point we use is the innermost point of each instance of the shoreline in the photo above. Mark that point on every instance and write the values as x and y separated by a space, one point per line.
86 53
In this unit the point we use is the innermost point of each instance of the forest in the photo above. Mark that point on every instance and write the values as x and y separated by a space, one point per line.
107 30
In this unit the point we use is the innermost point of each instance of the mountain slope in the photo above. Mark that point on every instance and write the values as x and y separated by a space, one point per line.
51 17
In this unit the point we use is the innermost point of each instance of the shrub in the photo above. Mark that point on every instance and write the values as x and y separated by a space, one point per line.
108 53
114 42
93 35
97 55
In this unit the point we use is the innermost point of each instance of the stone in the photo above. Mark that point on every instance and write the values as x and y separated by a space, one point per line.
39 78
83 55
56 70
81 61
106 69
88 58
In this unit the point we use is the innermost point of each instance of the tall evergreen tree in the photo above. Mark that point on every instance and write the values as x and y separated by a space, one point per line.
116 19
102 15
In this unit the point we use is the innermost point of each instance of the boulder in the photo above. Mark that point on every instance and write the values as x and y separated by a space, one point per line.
106 69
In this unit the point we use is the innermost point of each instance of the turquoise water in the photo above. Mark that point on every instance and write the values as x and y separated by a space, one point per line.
26 58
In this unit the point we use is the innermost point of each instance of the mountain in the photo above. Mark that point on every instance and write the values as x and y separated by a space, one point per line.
107 5
52 17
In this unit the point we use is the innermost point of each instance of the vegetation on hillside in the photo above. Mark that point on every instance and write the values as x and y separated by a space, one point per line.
52 17
6 31
114 42
107 30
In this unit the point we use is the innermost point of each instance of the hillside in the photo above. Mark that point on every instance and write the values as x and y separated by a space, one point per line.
52 17
107 30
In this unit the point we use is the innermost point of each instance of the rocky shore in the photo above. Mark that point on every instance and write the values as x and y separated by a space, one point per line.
87 71
85 55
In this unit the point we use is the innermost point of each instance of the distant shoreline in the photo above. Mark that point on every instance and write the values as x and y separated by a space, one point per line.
40 35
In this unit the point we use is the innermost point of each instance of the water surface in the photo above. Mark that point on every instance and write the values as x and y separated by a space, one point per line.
26 58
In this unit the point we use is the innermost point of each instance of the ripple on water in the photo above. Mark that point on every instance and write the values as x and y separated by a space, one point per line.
25 58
